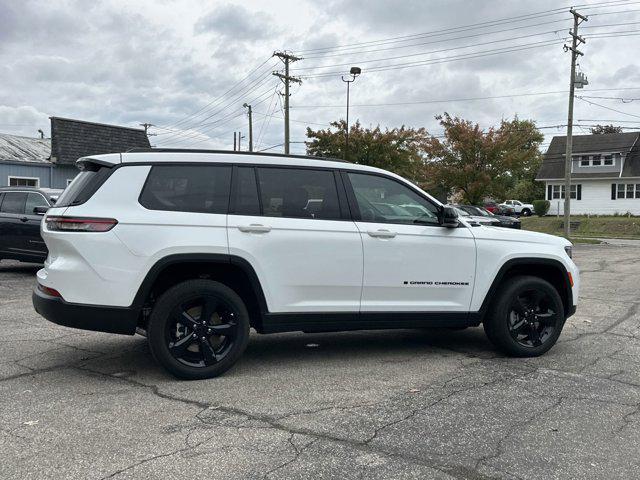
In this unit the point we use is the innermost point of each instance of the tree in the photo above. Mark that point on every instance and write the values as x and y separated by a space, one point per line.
601 129
481 163
400 150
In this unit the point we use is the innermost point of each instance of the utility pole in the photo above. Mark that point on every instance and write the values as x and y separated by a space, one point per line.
286 79
234 140
146 129
575 53
248 107
239 138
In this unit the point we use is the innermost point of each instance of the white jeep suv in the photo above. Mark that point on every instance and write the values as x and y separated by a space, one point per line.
192 248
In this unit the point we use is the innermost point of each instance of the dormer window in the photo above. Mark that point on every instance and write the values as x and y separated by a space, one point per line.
597 160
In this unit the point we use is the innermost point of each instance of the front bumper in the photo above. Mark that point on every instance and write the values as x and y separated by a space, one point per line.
98 318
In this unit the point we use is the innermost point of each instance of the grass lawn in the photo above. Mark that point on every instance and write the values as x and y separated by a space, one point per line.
600 227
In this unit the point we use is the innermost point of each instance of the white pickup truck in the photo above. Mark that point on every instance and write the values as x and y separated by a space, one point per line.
520 208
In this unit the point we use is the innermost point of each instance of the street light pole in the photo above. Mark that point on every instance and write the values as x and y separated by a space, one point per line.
353 73
248 107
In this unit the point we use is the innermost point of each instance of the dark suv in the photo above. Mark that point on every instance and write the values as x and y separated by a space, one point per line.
21 210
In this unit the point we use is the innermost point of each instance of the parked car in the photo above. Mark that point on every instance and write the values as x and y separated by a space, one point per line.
498 209
21 211
192 249
520 208
476 219
505 221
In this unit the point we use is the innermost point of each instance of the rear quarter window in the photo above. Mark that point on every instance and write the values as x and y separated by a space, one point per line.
84 185
187 188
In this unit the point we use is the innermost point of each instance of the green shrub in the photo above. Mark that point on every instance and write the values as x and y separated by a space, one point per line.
541 207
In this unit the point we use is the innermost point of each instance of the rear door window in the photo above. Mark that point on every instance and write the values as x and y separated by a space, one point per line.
188 188
13 202
299 193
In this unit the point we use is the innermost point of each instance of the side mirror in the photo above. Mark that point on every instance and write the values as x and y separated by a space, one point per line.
449 218
40 210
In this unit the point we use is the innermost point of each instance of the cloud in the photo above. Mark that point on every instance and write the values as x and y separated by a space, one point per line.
235 22
128 62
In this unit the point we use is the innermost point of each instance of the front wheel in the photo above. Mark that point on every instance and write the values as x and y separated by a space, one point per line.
527 317
198 329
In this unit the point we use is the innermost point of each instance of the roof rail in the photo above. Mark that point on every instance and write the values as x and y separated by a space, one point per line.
262 154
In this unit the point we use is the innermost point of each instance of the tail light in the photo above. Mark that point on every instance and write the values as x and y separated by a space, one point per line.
80 224
49 291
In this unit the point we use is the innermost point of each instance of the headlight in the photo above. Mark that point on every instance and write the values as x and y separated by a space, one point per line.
569 250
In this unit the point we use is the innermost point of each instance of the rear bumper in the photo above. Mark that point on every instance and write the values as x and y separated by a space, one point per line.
97 318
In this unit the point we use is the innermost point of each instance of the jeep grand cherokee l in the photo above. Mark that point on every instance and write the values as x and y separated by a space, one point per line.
193 248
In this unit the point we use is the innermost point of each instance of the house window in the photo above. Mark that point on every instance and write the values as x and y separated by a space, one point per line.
558 191
608 159
628 190
597 161
24 181
584 161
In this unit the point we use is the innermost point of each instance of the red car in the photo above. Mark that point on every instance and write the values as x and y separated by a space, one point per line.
497 209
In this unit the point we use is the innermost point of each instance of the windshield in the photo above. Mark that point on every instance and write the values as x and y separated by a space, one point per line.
461 212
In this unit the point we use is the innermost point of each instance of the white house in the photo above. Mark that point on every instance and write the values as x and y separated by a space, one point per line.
605 174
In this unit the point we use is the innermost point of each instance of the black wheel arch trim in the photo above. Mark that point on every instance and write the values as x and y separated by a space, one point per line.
212 258
569 308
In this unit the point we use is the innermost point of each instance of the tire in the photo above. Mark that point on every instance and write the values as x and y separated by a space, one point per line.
184 345
526 212
527 317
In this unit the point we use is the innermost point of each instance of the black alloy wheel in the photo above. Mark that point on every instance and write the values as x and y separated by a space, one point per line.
526 317
532 318
201 331
198 329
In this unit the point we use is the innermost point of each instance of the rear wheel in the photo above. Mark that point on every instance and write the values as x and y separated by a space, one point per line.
527 317
526 212
198 329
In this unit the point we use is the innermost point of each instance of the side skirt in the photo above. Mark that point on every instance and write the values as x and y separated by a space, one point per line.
339 321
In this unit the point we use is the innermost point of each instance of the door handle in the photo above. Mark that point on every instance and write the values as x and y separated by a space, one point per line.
382 233
24 219
254 228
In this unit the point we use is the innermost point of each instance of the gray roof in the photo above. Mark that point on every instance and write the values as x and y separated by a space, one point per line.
553 164
14 148
72 139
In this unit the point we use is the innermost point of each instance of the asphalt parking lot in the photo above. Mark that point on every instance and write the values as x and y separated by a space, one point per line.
392 404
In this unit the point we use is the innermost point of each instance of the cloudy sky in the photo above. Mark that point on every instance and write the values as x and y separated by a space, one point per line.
188 66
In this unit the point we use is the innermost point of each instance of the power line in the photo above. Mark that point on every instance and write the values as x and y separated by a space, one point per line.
236 99
430 52
220 96
473 26
607 108
271 147
468 27
467 56
234 114
491 97
435 41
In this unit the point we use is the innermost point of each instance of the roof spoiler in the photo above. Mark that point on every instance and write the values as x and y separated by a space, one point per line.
91 163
